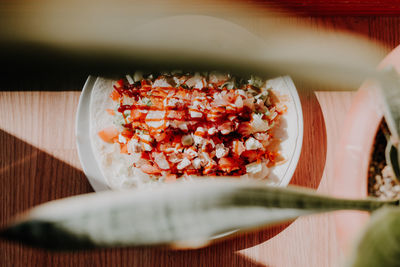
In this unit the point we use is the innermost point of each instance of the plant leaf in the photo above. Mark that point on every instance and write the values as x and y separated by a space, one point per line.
183 213
197 42
392 159
389 81
380 243
390 89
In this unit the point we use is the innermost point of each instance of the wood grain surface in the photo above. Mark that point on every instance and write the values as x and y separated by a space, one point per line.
333 7
38 163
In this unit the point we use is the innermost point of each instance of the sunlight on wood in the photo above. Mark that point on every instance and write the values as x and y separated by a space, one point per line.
45 120
304 228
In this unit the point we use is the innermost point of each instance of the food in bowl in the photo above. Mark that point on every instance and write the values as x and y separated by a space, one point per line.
157 128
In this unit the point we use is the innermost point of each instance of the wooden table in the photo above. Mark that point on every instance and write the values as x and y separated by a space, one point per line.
38 163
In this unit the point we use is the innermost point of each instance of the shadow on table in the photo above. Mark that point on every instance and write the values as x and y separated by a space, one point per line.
29 176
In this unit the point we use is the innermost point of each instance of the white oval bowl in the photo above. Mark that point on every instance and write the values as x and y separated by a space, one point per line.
280 175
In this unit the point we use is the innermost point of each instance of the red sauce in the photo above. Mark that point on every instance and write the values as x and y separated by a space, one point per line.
179 113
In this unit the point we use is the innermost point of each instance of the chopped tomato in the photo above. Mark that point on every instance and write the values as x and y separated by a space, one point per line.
145 155
165 147
251 155
228 164
110 111
226 128
159 92
210 168
160 136
176 139
190 171
170 178
175 114
238 148
157 101
137 115
115 95
145 82
273 156
120 83
181 93
245 128
109 134
150 169
127 133
124 149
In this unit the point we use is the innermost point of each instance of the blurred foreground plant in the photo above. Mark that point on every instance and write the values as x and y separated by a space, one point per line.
191 215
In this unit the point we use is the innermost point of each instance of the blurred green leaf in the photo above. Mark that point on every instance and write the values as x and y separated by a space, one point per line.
182 214
380 243
389 81
103 40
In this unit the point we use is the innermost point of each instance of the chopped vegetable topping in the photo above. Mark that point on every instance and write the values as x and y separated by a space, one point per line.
182 124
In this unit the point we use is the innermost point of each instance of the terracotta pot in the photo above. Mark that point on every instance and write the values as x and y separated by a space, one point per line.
353 157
